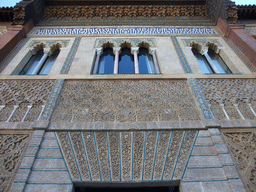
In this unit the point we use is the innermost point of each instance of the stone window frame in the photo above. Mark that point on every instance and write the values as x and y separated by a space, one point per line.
117 44
48 48
202 45
218 49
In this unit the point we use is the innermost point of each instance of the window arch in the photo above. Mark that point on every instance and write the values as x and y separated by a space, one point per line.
209 60
125 57
106 62
145 61
41 62
126 61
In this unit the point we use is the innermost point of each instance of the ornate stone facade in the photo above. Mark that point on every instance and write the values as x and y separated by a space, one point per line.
12 149
23 100
230 98
126 156
125 101
242 146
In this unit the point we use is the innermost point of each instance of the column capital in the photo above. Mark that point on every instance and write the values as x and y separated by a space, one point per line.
47 51
99 50
134 49
152 50
204 51
33 51
116 49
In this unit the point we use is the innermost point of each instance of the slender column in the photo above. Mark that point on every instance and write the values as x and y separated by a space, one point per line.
222 106
152 51
236 106
208 58
41 112
15 107
134 51
96 66
29 107
41 62
250 105
116 52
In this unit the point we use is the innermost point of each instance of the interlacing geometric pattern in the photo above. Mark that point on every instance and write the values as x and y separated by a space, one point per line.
230 98
125 101
243 148
11 151
23 100
126 156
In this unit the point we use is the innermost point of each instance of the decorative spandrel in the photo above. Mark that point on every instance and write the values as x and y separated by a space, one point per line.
106 101
230 99
243 149
12 149
23 100
127 156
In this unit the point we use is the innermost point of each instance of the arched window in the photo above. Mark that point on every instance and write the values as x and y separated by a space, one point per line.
145 62
40 63
32 63
106 62
218 62
202 61
211 62
126 62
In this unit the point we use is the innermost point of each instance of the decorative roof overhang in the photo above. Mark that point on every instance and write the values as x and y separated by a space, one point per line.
247 12
6 14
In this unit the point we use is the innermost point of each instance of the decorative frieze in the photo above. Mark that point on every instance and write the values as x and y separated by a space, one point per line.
127 156
23 100
12 149
132 11
242 147
124 31
204 43
230 98
103 101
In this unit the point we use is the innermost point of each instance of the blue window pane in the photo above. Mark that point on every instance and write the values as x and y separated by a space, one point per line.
145 62
106 63
206 68
32 63
218 62
126 62
47 66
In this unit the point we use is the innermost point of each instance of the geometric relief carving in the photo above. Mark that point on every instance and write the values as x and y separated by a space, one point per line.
103 101
243 149
12 149
127 156
23 100
235 97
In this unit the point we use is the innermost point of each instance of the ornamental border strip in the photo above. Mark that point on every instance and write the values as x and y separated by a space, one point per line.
200 99
93 31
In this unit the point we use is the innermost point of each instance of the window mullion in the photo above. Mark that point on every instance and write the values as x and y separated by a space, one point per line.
96 66
153 53
208 58
135 51
40 63
116 52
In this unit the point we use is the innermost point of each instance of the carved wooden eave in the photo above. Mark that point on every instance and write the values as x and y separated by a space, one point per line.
132 11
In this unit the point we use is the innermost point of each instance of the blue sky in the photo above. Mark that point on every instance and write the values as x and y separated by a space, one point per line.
8 3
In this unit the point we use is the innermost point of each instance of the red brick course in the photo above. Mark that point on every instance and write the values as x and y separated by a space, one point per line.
241 38
12 37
